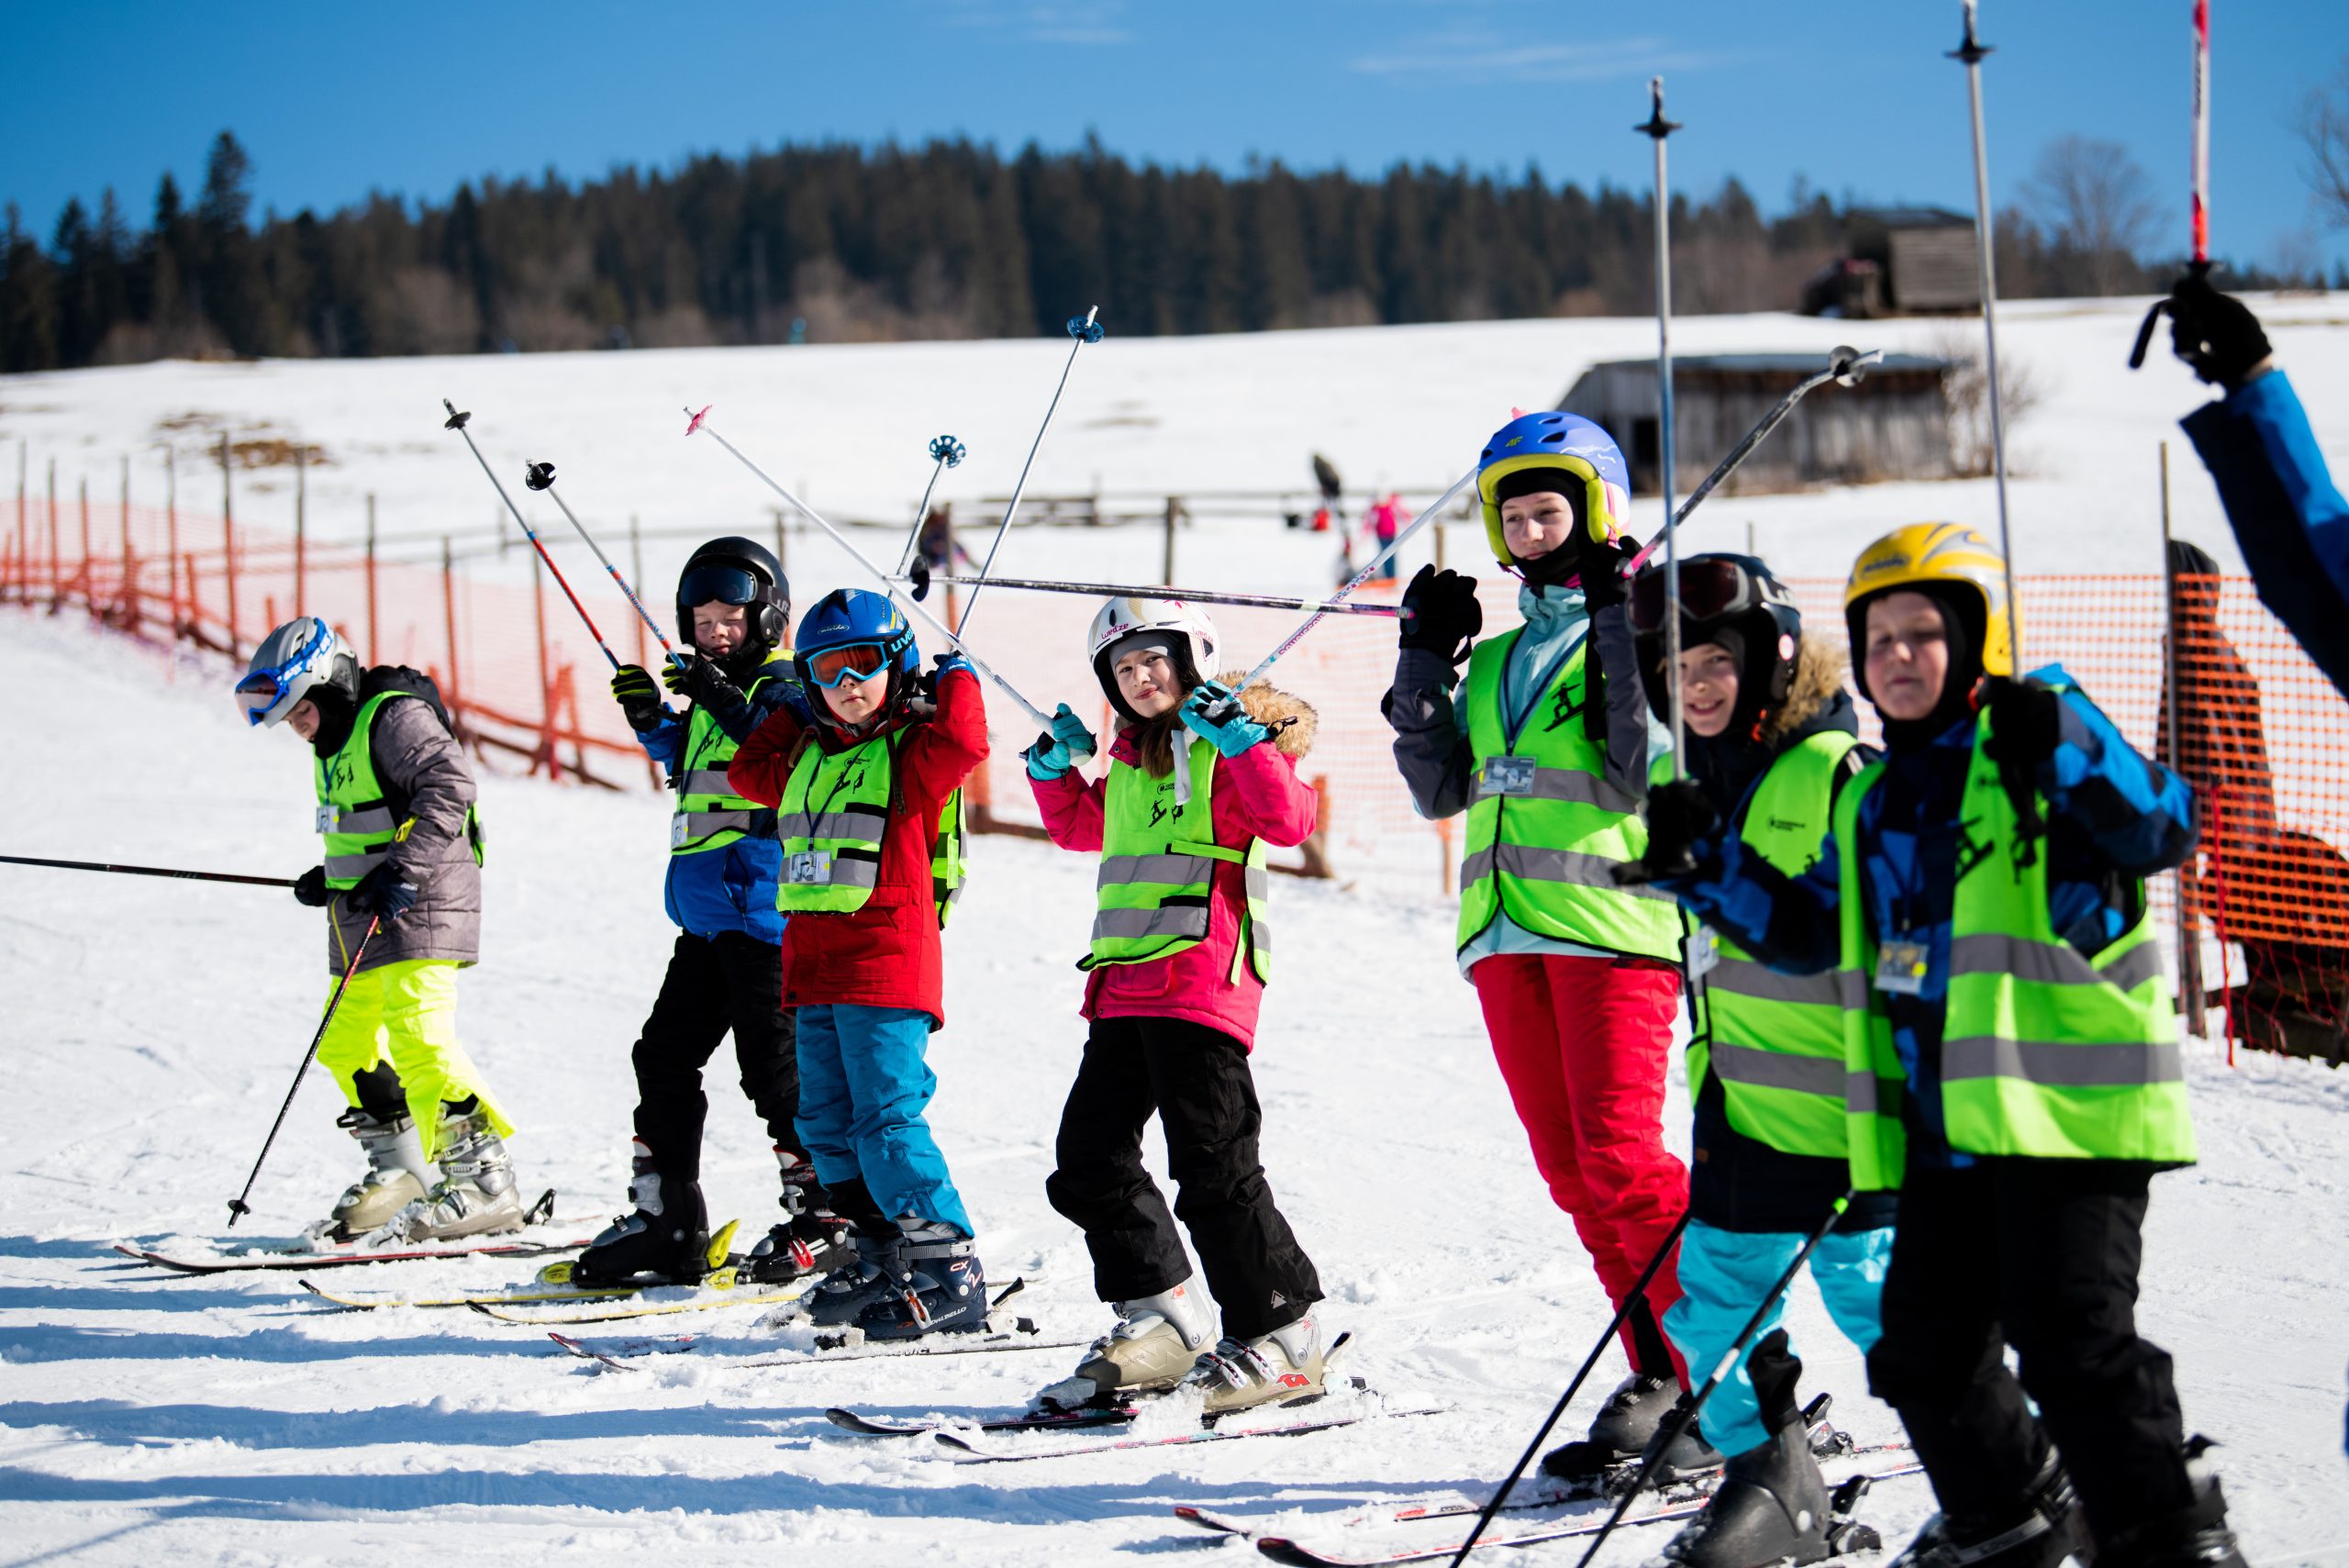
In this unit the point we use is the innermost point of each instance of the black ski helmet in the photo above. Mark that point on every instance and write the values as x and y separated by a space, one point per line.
1720 591
737 570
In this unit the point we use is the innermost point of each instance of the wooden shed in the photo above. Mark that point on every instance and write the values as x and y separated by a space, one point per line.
1894 425
1901 260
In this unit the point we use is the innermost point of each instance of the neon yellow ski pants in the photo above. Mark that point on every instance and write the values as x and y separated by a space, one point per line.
408 1011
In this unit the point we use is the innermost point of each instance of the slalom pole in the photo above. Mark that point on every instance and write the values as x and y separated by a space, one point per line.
1614 1327
1684 1416
1083 329
945 452
457 422
1656 129
238 1208
701 422
2198 270
540 476
1193 595
150 871
1971 53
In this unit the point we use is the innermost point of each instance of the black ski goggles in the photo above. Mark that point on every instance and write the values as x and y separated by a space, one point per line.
1711 588
725 584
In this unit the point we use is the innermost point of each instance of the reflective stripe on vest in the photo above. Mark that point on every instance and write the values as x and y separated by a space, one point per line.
1776 1041
709 815
1155 892
352 813
1546 833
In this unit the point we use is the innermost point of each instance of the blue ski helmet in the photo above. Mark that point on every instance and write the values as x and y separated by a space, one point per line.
1585 455
850 619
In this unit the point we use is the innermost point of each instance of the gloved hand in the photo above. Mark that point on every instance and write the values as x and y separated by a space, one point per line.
639 698
1068 744
2215 333
1606 572
1212 713
310 889
700 680
1444 614
928 680
2026 723
1680 816
384 891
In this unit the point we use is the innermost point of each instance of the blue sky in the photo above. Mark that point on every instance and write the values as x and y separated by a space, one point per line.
1852 96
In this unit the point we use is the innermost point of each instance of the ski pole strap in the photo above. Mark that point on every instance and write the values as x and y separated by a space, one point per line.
150 871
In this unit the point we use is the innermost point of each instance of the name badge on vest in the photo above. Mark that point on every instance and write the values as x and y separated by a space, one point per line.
1900 968
677 831
1704 956
325 818
807 867
1507 775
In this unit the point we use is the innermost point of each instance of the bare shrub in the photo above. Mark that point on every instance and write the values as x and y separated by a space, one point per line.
2021 391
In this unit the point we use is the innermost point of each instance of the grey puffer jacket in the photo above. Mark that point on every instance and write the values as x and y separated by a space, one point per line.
419 763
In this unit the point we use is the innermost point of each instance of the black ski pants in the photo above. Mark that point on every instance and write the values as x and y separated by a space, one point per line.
2043 1255
729 981
1196 1080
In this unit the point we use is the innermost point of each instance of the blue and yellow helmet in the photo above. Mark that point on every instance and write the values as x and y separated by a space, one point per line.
1568 442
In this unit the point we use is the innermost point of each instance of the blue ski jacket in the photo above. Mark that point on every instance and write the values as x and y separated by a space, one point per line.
2112 817
730 889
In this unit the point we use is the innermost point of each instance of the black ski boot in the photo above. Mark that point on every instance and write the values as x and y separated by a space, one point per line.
1686 1453
2040 1531
936 1286
1771 1507
667 1237
863 1279
812 1240
1622 1429
2193 1537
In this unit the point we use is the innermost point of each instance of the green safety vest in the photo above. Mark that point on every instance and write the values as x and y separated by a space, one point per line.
1156 888
1546 829
834 815
709 815
1776 1041
2045 1052
353 812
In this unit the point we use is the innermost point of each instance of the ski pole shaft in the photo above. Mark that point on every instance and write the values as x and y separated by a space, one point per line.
1194 595
1684 1416
1385 551
2201 159
701 422
1615 1326
1970 52
945 452
1657 129
1087 331
457 422
540 477
238 1208
151 870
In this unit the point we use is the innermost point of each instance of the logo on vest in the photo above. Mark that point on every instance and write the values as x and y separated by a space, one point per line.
1564 705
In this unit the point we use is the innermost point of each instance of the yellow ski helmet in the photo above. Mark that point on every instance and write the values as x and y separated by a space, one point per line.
1920 553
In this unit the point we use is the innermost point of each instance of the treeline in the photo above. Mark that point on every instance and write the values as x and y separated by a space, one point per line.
841 243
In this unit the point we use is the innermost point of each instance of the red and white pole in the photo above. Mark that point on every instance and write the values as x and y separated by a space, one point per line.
2202 133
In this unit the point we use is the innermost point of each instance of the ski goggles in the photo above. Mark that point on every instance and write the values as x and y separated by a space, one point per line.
264 689
724 585
856 661
1712 587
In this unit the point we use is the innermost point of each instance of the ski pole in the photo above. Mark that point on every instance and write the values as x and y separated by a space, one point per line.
2199 214
1194 595
1084 330
238 1208
701 422
945 452
457 422
151 870
1685 1416
540 477
1970 52
1656 129
1614 1327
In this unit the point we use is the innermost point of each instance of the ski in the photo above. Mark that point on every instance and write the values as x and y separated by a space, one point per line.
1030 1421
969 1453
726 1287
299 1253
551 1284
831 1348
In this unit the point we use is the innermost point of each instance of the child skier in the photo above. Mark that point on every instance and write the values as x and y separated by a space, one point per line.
867 791
1772 739
403 853
2012 1061
726 971
1180 950
1548 748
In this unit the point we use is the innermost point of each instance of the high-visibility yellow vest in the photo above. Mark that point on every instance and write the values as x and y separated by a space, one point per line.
2045 1052
1776 1041
1156 887
833 819
709 815
1546 829
352 813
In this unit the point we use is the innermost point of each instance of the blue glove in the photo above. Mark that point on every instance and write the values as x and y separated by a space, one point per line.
1068 745
1214 714
384 891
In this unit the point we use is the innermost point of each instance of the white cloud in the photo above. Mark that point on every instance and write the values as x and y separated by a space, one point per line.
1491 56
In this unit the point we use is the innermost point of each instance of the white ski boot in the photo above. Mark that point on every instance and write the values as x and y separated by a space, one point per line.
1275 1369
1156 1343
476 1195
397 1176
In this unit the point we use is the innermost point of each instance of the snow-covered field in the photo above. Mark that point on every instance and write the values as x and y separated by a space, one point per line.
149 1028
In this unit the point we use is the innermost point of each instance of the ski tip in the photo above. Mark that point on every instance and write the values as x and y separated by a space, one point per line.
1280 1549
954 1441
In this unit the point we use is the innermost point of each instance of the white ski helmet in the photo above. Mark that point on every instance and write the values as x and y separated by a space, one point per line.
1188 629
291 661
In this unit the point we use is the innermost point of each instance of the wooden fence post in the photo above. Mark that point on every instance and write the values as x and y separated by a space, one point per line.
372 657
449 611
127 599
56 551
84 571
546 674
229 540
1166 556
172 538
301 529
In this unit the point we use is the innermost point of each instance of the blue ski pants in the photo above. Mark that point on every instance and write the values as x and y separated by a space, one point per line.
864 1083
1723 1276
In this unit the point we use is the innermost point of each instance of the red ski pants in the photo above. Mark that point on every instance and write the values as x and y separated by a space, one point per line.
1582 1043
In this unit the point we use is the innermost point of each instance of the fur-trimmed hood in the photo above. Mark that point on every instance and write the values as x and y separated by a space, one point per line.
1819 681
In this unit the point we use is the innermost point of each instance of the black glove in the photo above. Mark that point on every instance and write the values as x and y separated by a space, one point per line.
2026 724
384 891
2215 333
1442 615
1680 816
310 889
700 680
1606 575
639 698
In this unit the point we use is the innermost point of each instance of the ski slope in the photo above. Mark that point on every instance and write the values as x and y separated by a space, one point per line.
150 1029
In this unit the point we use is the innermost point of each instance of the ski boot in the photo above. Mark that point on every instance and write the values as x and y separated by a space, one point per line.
476 1195
811 1240
842 1296
934 1287
397 1176
1622 1429
2193 1537
1277 1368
1685 1453
1771 1507
666 1236
1156 1343
2039 1530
